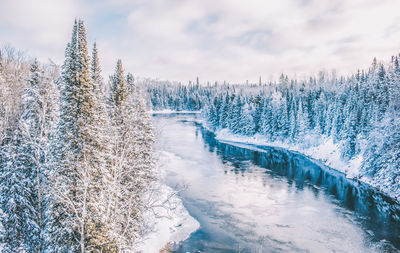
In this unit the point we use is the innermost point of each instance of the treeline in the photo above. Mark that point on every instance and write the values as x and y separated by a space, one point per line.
76 161
175 96
361 113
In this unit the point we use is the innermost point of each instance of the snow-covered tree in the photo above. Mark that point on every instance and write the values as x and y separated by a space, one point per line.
75 166
95 72
76 174
133 160
25 158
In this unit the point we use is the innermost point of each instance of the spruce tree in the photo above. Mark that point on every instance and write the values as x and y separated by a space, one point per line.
119 91
76 177
14 200
133 159
23 181
95 72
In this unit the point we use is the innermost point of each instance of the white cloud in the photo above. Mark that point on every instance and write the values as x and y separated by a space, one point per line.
40 27
217 40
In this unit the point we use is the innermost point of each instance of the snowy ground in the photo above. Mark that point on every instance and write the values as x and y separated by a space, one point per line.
170 222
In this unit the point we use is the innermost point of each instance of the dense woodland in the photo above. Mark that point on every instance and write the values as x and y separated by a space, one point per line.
361 113
175 96
76 161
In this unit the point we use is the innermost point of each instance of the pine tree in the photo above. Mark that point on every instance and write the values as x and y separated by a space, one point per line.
119 90
133 160
301 121
95 72
76 176
14 191
350 134
24 166
246 121
267 120
237 112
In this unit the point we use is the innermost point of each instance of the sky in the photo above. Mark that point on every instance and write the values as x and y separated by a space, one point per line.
216 40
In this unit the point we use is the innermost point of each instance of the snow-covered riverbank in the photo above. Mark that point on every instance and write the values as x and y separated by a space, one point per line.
325 151
321 149
169 221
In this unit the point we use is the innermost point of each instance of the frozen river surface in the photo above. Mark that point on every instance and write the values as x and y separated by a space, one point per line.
260 199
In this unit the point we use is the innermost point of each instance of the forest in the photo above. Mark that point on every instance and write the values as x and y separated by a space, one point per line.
76 154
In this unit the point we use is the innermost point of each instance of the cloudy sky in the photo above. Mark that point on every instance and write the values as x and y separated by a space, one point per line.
232 40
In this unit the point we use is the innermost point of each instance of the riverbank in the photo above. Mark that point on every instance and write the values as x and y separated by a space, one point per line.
169 222
322 149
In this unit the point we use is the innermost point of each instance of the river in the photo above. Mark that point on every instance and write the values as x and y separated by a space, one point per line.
262 199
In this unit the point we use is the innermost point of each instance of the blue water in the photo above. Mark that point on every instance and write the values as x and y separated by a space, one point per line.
261 199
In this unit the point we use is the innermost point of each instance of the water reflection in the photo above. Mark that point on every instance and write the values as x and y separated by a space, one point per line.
379 212
262 199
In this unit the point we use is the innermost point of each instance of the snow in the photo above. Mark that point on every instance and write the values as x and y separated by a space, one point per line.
170 223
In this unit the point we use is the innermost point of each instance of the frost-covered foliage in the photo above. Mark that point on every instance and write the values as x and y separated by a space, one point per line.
14 68
360 113
78 157
76 161
23 157
130 170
